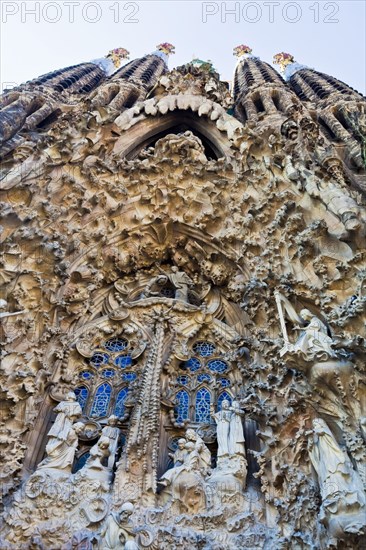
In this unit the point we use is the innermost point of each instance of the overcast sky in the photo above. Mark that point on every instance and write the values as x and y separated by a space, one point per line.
41 36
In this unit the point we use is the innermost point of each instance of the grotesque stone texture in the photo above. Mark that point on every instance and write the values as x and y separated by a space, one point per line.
183 320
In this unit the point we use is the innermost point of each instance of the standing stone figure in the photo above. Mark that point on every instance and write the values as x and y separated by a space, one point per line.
222 419
236 433
68 412
343 499
112 432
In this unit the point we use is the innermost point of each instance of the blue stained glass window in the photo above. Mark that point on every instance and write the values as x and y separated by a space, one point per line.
204 349
129 376
183 380
181 411
224 382
81 395
99 359
119 409
86 375
203 377
116 344
108 373
217 366
101 400
203 401
80 462
123 361
224 395
192 364
174 443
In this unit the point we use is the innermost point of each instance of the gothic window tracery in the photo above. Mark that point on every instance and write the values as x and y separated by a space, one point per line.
204 349
206 381
119 409
182 406
82 393
203 402
106 379
101 401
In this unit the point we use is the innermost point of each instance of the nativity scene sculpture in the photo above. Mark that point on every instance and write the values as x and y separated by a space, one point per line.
188 257
185 482
192 471
230 434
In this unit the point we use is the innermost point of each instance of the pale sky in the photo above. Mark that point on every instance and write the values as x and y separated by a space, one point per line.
328 36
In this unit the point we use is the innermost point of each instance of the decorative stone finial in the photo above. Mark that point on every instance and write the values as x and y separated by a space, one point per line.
166 48
203 65
241 50
283 59
117 55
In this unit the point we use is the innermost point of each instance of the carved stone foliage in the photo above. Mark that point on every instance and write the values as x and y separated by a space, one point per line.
199 284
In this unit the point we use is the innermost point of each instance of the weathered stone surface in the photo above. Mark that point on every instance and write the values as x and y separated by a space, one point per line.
194 278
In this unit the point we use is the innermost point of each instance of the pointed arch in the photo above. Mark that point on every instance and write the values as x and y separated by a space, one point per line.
181 410
101 400
119 409
132 142
82 394
203 403
224 396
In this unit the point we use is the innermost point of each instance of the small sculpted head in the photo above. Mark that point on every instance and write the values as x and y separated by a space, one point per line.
126 510
181 443
70 396
112 420
225 404
306 314
79 427
103 443
191 435
320 425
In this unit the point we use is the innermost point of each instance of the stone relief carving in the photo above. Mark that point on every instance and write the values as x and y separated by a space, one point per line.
117 533
343 497
171 242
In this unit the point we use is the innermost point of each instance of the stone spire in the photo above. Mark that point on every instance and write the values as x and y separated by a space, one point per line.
340 109
29 105
134 80
258 89
146 70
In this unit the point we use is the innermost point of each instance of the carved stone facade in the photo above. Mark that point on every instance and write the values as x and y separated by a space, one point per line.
183 307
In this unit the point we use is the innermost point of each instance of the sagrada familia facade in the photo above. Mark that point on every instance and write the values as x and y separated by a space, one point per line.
183 304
